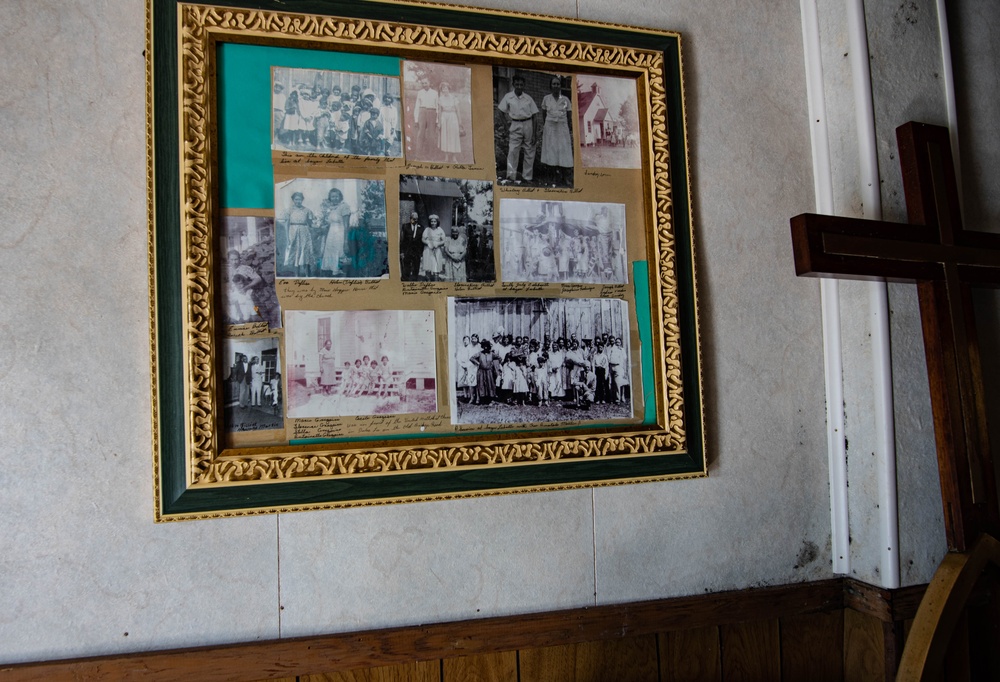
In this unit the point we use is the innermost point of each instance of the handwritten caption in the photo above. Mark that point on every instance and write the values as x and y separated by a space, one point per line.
424 288
311 289
366 425
242 331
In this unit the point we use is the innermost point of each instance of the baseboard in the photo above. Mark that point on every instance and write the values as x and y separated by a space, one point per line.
351 650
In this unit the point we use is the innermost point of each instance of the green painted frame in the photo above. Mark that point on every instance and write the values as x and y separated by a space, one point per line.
633 460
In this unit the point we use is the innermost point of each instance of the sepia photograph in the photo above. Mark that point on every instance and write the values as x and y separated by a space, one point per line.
438 112
520 360
247 286
533 127
251 385
335 112
331 228
562 241
360 362
608 115
445 230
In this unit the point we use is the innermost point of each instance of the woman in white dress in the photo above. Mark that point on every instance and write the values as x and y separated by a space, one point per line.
432 260
335 219
557 144
450 139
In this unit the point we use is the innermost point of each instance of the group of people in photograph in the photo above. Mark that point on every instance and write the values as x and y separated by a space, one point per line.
325 120
333 241
249 379
366 376
550 248
428 253
251 296
518 370
437 123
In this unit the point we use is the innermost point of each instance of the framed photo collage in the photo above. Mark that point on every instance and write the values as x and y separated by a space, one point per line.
414 258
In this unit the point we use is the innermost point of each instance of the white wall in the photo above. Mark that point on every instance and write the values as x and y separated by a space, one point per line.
85 571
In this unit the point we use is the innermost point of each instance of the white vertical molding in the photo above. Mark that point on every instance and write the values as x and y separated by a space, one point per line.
829 294
878 297
948 73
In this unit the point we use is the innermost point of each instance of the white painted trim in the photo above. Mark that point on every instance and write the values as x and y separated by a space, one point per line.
829 294
948 74
878 297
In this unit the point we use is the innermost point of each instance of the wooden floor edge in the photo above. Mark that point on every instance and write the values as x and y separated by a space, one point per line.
351 650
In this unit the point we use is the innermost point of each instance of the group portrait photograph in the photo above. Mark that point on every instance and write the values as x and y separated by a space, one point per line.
525 360
251 385
533 128
360 362
562 241
437 101
330 228
335 112
247 268
445 230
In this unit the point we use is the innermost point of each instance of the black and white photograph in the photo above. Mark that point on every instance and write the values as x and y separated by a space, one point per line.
331 228
335 112
521 360
251 385
360 362
438 112
532 124
562 241
247 286
608 115
445 230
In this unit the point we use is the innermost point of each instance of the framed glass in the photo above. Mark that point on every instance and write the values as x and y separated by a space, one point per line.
406 252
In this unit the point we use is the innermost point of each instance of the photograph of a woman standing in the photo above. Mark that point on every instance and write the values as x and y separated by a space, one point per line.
300 256
335 219
448 121
432 261
557 143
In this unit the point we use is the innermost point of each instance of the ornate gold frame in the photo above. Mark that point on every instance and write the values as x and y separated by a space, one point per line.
199 29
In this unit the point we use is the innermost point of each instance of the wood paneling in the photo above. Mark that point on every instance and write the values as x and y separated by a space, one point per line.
501 667
812 647
691 656
425 671
353 650
731 635
633 659
751 651
864 648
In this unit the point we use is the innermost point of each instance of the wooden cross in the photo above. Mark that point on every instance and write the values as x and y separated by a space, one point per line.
944 259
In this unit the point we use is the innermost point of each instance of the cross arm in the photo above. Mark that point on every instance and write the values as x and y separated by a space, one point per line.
852 248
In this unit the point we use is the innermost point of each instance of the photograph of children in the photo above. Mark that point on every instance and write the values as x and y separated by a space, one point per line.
251 385
445 230
562 241
532 127
335 112
331 228
517 360
608 116
247 282
438 112
360 362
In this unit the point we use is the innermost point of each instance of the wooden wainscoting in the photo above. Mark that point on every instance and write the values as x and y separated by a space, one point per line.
836 629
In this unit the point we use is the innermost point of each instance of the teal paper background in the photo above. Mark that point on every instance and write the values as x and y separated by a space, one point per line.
244 105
